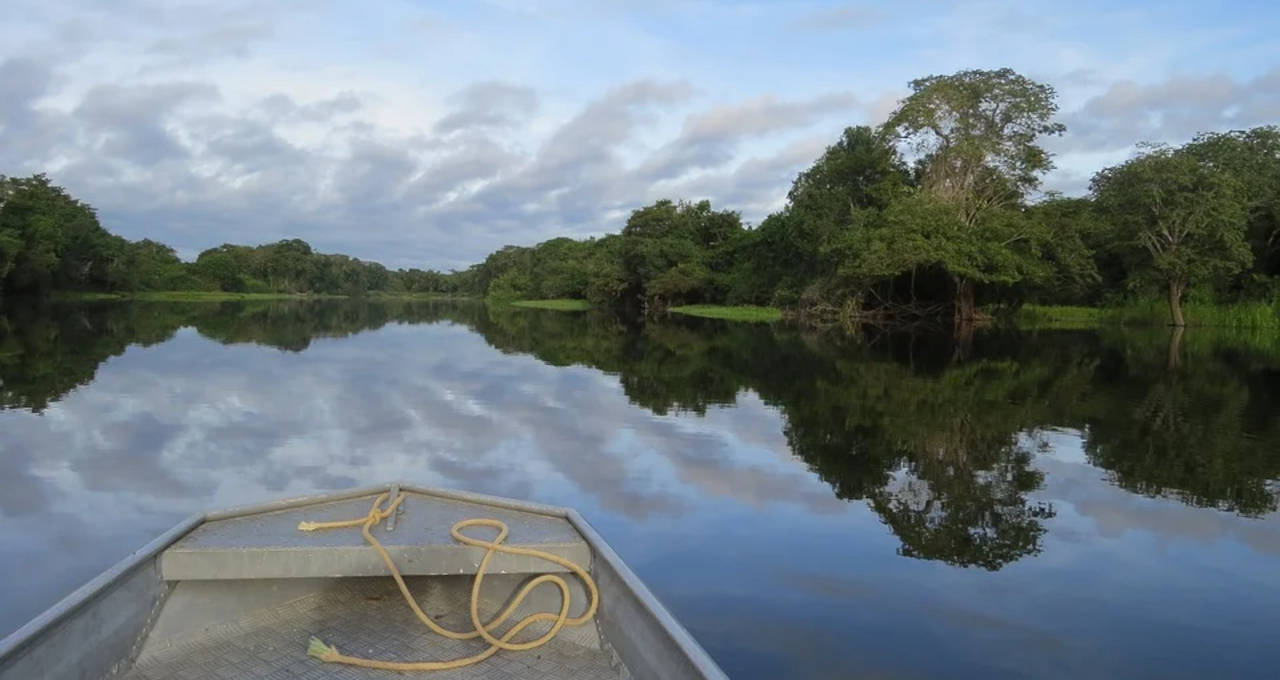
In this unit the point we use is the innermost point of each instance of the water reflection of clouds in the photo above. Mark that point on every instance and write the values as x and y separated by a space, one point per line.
1090 510
191 424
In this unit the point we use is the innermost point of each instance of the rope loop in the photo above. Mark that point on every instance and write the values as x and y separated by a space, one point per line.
486 631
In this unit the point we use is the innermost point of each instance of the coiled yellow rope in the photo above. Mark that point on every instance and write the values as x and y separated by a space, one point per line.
326 653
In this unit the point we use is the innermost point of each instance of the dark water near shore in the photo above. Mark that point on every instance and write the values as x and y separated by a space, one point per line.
1033 504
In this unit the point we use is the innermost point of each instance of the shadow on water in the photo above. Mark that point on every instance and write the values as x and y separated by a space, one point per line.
941 444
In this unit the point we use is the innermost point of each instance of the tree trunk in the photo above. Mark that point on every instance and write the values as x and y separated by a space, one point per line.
965 314
963 346
1176 289
1174 361
965 310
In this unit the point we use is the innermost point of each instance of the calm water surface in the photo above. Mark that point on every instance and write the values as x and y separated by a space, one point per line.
1051 504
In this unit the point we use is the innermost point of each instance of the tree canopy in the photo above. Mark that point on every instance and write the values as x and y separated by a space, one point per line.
975 138
1185 217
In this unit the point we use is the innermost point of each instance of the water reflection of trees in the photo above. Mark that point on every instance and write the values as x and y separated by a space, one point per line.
938 454
941 447
48 350
1200 422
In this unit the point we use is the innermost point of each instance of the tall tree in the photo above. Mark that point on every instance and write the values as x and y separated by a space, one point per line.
1181 218
975 137
1252 157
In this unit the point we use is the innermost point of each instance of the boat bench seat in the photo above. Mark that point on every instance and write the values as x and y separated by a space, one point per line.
269 545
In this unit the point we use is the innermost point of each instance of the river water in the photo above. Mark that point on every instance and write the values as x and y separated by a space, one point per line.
808 504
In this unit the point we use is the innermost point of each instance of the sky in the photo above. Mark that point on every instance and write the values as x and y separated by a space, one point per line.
424 134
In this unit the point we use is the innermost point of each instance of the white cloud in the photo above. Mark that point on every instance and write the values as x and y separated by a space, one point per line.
841 17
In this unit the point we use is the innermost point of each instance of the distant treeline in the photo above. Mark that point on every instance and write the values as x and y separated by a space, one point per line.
929 214
50 241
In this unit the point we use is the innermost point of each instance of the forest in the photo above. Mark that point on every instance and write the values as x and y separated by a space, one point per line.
50 241
937 213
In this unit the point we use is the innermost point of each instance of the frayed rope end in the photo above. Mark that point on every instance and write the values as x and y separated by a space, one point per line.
317 648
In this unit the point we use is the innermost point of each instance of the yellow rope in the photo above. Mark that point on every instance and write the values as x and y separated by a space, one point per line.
324 652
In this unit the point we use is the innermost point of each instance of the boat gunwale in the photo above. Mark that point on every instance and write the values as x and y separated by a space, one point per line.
685 641
95 587
102 583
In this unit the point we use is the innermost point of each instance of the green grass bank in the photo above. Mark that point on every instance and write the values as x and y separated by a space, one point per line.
561 305
1257 315
731 313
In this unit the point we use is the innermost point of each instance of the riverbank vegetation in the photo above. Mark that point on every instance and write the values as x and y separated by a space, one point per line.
935 214
1255 315
226 296
51 242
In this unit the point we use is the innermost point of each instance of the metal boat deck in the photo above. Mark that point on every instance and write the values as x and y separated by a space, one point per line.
238 593
367 617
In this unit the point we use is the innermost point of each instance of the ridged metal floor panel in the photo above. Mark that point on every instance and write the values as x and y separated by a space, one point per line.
364 617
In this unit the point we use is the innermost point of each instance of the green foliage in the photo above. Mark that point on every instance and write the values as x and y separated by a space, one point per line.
678 253
862 170
922 231
1180 219
1252 159
509 286
606 279
975 134
220 268
50 240
559 268
150 265
798 254
562 268
1072 244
